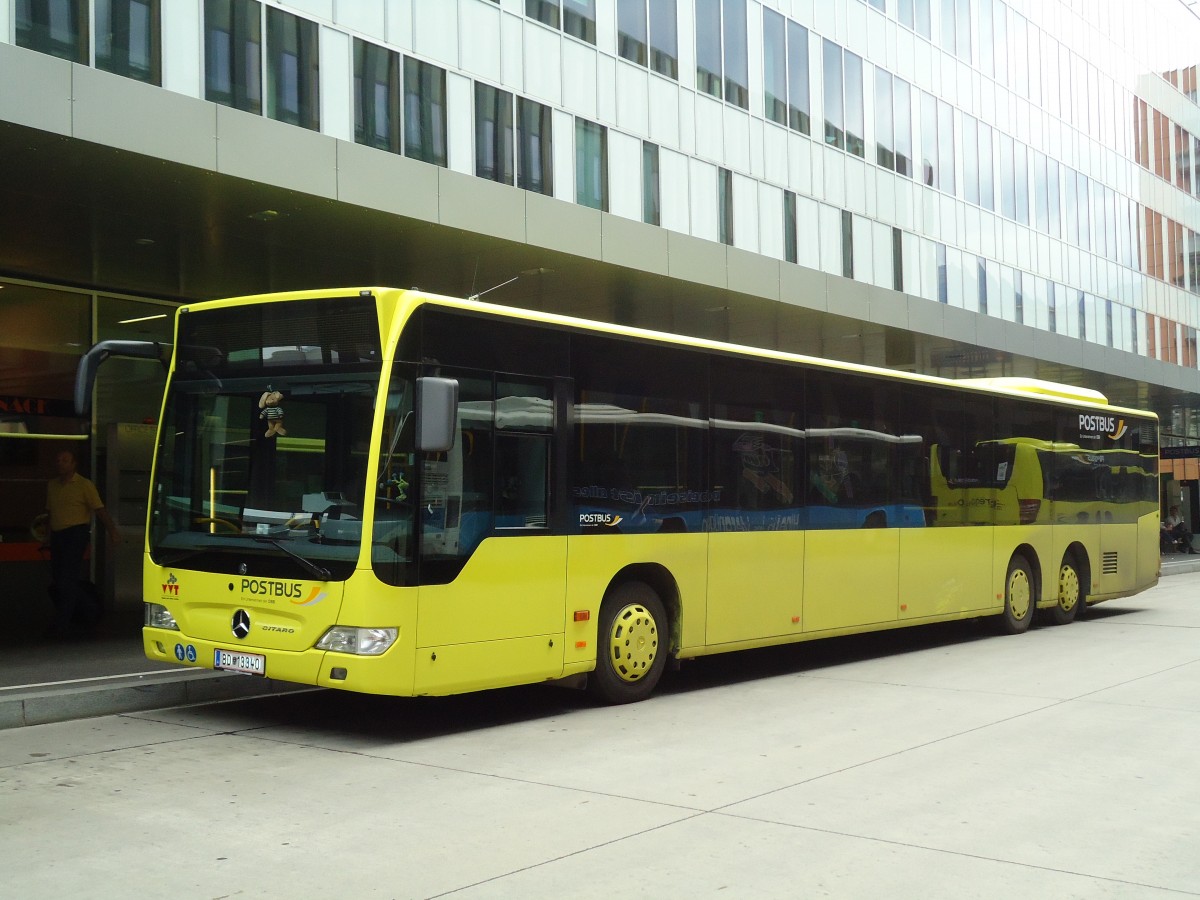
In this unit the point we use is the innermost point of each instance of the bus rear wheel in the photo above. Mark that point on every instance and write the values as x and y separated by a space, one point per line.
631 644
1020 598
1070 594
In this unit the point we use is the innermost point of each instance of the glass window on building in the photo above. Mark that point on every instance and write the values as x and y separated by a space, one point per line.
962 22
1022 183
897 259
847 244
651 201
293 79
725 204
424 111
987 50
774 67
981 270
1019 297
1008 177
591 164
535 147
708 46
632 31
652 26
835 120
799 109
376 96
948 34
970 144
943 273
790 233
664 38
987 177
128 39
576 17
737 65
545 11
233 53
885 153
902 113
946 147
856 127
579 19
494 149
56 27
929 140
1000 39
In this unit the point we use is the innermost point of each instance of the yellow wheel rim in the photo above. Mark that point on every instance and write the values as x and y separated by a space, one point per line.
1068 588
633 642
1020 594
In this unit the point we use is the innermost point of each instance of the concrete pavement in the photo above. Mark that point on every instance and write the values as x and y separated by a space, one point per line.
933 762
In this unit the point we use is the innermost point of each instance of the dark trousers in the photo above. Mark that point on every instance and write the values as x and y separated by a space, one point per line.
67 549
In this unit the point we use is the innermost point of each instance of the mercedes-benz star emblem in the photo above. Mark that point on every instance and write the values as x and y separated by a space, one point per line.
242 569
241 624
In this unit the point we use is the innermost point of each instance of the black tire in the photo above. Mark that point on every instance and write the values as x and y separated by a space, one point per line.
632 642
1072 593
1020 597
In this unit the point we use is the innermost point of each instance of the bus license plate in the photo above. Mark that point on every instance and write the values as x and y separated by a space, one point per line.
247 663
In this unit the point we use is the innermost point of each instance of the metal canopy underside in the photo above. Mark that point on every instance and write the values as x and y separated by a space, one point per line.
91 216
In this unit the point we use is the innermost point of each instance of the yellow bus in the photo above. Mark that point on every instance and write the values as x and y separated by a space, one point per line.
399 493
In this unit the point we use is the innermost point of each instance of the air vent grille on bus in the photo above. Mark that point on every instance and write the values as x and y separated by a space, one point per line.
1109 563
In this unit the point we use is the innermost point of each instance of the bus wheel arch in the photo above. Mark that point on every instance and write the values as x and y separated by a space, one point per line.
1071 586
635 634
1021 591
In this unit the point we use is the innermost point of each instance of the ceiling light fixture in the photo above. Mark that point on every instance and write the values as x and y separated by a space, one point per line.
142 319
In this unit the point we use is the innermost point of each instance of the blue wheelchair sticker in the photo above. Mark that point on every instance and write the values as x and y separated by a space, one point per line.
191 653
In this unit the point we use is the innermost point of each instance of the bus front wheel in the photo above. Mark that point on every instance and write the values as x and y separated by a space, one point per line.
1070 593
631 644
1020 598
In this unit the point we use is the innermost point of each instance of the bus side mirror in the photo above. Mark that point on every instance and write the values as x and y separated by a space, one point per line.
437 414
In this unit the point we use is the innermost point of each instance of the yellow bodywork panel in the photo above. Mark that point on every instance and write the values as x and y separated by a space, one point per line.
755 585
841 588
510 588
945 571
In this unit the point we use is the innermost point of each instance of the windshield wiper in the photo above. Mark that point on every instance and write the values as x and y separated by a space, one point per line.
307 564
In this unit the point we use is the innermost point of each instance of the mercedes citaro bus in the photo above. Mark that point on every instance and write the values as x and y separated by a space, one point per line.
399 493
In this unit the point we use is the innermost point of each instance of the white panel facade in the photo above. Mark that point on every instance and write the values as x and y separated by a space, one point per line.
435 31
745 213
400 23
543 64
182 45
710 129
460 123
366 17
674 191
481 40
578 79
337 76
664 112
737 139
564 156
633 99
624 175
770 221
703 197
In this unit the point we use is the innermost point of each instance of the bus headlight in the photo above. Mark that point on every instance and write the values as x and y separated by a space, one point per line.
359 641
158 616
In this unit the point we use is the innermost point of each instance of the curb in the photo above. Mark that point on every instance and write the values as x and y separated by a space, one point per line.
65 701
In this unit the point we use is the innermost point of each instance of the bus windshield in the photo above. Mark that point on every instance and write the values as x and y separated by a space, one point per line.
262 460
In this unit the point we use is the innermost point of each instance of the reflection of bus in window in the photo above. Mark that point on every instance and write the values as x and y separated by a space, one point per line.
1026 481
470 496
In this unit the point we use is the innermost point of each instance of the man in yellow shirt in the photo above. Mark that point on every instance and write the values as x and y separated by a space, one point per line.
71 501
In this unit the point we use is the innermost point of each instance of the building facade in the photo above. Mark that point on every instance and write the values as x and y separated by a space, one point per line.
957 187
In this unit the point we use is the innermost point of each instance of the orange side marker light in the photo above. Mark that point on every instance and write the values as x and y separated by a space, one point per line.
579 645
582 615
